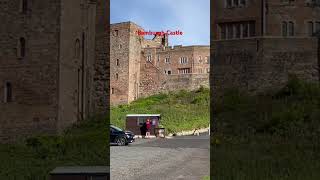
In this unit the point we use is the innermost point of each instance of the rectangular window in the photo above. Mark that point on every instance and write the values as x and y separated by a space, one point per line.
228 3
252 29
184 70
167 60
169 72
230 31
245 30
8 92
112 90
310 28
223 31
291 29
243 2
236 3
149 58
317 27
183 60
238 30
284 28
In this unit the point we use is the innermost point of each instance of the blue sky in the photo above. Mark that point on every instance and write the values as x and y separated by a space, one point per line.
192 17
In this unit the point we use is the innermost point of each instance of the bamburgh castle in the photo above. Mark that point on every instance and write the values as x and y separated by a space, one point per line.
53 64
141 67
257 44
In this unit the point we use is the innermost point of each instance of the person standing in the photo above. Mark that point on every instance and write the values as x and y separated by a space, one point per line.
148 126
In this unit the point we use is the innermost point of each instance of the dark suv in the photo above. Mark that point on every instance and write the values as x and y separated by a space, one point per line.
120 137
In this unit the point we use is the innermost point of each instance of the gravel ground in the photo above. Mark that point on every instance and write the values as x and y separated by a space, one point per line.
159 159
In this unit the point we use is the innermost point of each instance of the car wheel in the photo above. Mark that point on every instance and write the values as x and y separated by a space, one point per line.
121 141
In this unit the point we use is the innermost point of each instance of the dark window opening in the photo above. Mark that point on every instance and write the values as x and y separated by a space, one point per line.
117 76
245 30
284 28
22 47
291 29
117 62
252 29
8 92
169 72
112 90
223 31
24 7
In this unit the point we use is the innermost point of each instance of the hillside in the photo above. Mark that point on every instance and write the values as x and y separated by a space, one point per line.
268 136
33 158
179 111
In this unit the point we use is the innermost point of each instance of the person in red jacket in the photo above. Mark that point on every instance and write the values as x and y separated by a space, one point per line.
148 127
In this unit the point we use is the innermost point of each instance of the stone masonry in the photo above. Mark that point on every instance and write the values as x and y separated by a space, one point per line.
141 67
51 57
257 44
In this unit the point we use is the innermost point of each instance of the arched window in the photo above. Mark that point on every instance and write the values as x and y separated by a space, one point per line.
21 49
77 49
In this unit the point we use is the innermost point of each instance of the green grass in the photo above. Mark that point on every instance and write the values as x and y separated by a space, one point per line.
33 158
274 135
179 111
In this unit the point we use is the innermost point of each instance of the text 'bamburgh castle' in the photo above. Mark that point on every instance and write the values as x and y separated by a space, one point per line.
140 67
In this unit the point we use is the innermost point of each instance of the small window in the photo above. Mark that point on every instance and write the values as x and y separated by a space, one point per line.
169 72
310 28
24 6
116 33
117 76
291 29
112 90
167 60
77 49
8 92
158 58
243 2
230 31
149 58
120 46
252 29
245 30
223 31
183 60
238 30
284 28
228 3
21 48
236 3
317 27
117 62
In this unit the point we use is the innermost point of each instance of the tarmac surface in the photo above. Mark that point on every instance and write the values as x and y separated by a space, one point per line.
179 158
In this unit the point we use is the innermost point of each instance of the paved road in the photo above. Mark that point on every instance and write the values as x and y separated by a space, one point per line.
179 158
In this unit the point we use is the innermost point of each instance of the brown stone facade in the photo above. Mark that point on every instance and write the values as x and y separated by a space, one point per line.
281 43
48 63
141 67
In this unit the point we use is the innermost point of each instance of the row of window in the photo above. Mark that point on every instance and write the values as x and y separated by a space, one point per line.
183 60
21 48
237 30
287 28
235 3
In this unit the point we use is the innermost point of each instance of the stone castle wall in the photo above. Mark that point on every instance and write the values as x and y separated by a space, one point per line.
34 78
259 64
48 82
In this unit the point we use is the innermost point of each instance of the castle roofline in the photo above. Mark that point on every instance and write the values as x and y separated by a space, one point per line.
126 22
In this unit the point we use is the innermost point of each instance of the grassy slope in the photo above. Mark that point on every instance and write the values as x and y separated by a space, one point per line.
272 136
84 144
179 110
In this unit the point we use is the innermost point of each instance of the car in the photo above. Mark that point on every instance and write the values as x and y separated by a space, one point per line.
120 137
